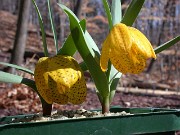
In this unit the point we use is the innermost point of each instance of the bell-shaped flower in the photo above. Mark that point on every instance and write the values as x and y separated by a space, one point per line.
127 49
60 79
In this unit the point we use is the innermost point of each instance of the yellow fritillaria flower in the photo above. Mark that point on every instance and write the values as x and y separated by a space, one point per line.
127 48
59 79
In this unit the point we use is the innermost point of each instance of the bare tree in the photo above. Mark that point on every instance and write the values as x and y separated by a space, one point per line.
21 33
166 13
77 8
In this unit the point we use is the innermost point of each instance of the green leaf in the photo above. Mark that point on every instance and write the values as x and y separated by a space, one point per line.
114 80
116 18
91 44
92 47
69 47
83 25
78 35
132 12
42 29
116 11
10 78
108 13
83 66
18 67
167 45
53 26
98 76
114 75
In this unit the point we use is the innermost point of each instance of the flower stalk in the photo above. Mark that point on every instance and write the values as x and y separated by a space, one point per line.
47 108
105 105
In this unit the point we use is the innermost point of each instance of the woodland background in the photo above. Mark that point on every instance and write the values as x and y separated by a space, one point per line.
159 20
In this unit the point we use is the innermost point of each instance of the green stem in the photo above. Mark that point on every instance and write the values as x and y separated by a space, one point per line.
99 97
105 105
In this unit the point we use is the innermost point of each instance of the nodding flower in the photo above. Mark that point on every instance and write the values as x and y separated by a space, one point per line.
127 49
59 79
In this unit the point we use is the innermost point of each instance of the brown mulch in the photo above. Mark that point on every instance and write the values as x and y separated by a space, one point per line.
22 100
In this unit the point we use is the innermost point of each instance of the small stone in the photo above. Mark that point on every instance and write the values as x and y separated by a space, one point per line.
63 115
71 114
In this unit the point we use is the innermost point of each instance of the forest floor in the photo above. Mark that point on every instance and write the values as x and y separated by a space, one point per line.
19 99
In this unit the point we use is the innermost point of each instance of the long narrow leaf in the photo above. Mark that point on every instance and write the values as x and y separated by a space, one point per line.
10 78
98 76
92 47
91 44
116 11
167 44
114 80
113 86
69 47
114 75
108 13
18 67
42 29
53 26
132 12
83 66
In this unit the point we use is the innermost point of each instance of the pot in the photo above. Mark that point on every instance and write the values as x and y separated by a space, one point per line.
150 121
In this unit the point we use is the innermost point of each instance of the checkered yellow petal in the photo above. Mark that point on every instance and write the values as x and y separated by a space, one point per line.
128 49
77 93
141 50
59 79
143 46
41 79
119 38
119 42
56 96
63 71
138 60
116 45
104 55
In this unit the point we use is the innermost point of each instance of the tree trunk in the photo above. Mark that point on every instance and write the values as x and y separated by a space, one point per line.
149 68
77 8
21 33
